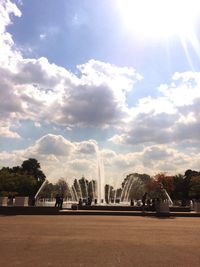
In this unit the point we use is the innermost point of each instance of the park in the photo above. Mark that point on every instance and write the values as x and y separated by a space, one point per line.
99 133
95 234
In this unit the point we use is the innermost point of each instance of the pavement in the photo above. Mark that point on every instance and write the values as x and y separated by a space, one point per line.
90 241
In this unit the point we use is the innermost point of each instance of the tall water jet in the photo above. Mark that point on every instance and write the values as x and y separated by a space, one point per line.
40 189
76 198
100 178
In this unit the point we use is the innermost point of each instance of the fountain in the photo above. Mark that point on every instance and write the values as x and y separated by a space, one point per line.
74 193
133 188
100 179
39 190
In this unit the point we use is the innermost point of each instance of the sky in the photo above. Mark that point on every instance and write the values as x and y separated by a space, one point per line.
118 76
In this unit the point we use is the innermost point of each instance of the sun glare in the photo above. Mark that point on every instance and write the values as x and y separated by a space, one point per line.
160 18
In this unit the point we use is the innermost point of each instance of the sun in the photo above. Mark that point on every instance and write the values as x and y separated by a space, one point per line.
159 18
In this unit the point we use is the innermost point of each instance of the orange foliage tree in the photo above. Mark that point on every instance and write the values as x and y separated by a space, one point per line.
165 180
160 180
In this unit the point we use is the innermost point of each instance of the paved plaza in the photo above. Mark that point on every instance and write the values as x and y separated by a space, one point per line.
86 241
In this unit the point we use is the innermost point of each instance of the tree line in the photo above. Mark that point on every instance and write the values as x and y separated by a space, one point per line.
25 180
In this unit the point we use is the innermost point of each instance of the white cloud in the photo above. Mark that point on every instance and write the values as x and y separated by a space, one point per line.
170 118
43 36
51 144
6 132
87 147
7 8
183 90
166 127
59 158
39 91
37 124
91 100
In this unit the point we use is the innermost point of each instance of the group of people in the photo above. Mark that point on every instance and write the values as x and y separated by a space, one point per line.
146 202
87 202
59 201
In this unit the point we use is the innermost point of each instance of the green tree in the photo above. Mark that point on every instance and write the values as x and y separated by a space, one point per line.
189 181
32 167
179 187
24 180
17 184
194 191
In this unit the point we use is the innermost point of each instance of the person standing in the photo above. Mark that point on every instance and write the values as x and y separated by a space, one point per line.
61 201
132 203
57 204
144 201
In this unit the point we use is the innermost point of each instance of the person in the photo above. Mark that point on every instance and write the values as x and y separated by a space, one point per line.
132 203
153 204
148 204
89 201
57 204
80 202
61 201
138 203
158 201
144 201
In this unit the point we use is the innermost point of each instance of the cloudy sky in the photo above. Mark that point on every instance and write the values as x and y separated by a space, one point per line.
120 75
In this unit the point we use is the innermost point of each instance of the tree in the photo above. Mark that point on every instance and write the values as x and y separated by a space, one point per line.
189 181
166 181
63 187
24 180
32 167
160 185
152 187
179 187
194 191
48 191
12 184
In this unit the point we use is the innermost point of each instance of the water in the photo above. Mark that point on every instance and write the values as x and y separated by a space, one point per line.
132 189
39 190
168 198
100 178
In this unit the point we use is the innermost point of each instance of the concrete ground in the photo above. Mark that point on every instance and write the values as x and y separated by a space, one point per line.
86 241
